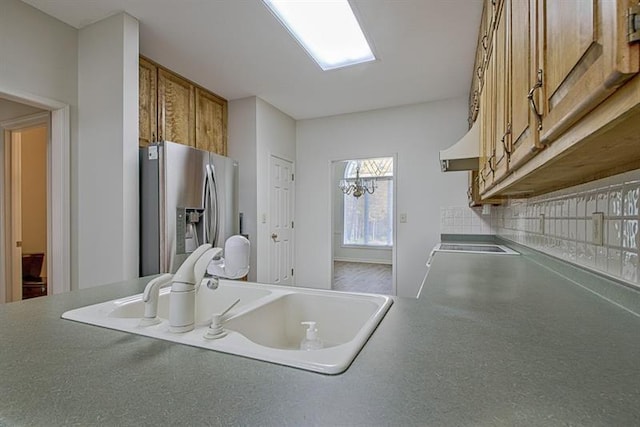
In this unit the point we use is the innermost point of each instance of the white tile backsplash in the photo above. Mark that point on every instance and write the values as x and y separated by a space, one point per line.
465 220
568 232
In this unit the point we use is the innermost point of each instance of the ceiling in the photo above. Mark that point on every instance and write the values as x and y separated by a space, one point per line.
236 48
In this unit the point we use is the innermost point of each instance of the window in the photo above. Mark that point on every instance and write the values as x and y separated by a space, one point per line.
368 220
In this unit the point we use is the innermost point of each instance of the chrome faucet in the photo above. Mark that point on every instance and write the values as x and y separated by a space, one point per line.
182 299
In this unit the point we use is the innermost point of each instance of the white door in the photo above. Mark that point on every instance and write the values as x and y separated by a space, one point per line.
281 221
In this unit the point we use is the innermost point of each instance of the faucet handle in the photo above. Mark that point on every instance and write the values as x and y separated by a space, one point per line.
150 299
153 287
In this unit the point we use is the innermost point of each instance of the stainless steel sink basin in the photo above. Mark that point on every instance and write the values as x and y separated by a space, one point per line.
265 325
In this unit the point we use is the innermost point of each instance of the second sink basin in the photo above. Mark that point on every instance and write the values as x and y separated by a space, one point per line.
277 324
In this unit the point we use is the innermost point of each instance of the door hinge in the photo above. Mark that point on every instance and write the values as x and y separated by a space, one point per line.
633 19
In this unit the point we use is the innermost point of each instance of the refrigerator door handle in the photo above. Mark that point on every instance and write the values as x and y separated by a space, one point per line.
211 207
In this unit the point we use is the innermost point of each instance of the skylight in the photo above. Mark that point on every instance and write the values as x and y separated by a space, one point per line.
328 30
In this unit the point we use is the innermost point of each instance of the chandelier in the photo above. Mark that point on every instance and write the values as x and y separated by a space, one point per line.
357 186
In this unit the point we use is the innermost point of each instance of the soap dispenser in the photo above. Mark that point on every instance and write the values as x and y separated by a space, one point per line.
311 340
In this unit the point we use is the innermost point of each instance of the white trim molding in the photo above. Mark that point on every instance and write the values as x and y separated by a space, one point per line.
58 120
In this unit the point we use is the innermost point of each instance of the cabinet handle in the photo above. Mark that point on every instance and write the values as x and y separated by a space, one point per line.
532 102
485 39
503 140
476 105
491 167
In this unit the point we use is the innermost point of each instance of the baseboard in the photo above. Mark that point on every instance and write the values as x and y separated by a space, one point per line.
363 260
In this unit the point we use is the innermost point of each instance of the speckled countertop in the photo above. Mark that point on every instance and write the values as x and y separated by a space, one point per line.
493 340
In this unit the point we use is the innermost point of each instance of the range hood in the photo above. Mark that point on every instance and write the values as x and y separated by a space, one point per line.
463 155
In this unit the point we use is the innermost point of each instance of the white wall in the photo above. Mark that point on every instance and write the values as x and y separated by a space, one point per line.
38 53
107 155
38 59
416 133
256 130
275 135
241 144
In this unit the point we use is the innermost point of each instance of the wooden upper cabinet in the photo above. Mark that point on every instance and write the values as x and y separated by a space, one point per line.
501 88
559 87
211 122
523 66
176 108
147 103
487 127
172 108
585 57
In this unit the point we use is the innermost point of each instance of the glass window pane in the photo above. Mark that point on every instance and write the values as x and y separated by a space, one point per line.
368 220
369 168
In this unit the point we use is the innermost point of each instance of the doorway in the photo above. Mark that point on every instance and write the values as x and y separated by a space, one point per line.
281 208
363 225
20 111
26 164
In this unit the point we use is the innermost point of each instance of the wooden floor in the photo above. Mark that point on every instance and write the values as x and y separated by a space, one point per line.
362 277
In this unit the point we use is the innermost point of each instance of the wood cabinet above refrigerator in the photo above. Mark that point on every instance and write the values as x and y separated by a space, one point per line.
172 108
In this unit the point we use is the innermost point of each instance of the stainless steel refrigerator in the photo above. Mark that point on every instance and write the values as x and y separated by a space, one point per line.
187 197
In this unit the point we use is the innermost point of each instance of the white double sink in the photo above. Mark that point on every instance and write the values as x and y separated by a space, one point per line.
264 325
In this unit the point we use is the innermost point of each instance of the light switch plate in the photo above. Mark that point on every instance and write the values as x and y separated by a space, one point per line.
597 221
403 217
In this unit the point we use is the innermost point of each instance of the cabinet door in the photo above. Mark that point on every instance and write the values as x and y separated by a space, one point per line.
523 71
473 196
211 123
585 58
176 109
147 103
487 127
501 88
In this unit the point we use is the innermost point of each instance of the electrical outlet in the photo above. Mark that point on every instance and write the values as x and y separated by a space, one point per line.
541 224
597 222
